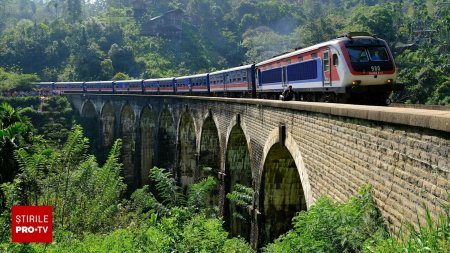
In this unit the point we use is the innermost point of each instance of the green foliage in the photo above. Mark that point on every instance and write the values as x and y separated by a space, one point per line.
330 227
54 120
433 236
15 132
199 195
179 229
22 102
182 233
10 196
84 196
79 40
120 76
242 197
168 190
15 81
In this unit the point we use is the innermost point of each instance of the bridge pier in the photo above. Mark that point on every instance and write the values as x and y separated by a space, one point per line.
108 129
128 135
147 143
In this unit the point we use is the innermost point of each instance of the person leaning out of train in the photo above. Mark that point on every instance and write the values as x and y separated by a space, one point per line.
288 94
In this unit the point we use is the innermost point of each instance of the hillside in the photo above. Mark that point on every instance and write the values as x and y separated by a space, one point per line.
91 40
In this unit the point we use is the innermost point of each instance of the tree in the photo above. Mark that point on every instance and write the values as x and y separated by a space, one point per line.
15 132
74 9
123 60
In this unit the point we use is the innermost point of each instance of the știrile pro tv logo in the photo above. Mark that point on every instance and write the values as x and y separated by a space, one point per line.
32 224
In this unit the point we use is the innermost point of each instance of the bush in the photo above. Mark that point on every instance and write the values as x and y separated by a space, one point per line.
331 227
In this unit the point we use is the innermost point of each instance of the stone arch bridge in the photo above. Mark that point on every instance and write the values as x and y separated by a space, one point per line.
290 153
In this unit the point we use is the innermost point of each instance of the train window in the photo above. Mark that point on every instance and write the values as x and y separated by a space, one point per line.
335 60
378 54
300 58
314 55
357 54
288 61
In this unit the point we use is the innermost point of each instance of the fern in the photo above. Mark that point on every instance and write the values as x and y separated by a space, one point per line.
143 201
241 196
167 188
199 194
113 157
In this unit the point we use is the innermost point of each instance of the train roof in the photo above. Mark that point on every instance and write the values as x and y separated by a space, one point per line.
165 79
232 69
129 81
192 76
152 80
317 46
100 82
68 82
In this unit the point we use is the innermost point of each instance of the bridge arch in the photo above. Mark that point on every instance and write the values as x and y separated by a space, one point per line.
187 150
88 110
238 170
209 149
90 124
128 131
147 133
166 147
284 187
210 155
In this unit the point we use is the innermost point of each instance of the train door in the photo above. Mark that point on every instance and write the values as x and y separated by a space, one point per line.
226 77
284 78
326 67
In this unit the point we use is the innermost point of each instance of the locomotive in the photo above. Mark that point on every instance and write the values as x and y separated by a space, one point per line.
354 68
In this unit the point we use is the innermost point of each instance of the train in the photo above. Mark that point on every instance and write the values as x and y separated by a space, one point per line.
354 68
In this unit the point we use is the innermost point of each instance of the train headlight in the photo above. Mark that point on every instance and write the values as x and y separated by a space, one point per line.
356 82
390 81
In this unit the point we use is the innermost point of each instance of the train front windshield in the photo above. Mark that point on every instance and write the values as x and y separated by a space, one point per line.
362 54
365 58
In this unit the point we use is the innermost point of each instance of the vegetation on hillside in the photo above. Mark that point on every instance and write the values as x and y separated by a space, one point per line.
91 40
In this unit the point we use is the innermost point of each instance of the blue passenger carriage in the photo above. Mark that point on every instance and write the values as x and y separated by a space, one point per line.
234 82
99 86
64 87
183 85
151 86
199 83
166 85
128 86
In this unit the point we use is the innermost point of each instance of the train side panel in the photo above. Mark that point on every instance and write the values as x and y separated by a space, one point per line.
151 86
199 84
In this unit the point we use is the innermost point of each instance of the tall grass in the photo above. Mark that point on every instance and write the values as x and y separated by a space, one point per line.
432 236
